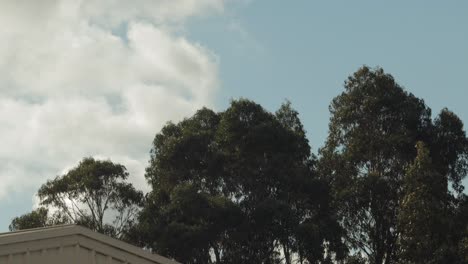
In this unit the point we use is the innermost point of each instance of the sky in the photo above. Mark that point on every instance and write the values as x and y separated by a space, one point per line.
100 78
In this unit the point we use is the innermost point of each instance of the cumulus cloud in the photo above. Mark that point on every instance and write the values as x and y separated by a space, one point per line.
94 78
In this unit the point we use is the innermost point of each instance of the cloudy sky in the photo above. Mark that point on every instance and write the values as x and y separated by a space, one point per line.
99 78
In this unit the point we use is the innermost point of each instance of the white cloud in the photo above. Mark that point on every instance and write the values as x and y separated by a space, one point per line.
71 87
113 12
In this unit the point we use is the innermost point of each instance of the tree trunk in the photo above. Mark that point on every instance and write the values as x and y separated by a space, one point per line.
287 253
217 255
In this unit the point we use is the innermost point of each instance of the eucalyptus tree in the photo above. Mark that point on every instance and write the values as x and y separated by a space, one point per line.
373 129
238 186
40 217
422 220
95 194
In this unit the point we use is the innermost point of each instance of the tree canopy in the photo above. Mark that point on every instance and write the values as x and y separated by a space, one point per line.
238 186
422 220
95 194
40 217
243 186
374 127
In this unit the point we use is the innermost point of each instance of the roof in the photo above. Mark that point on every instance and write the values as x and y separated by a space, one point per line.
80 241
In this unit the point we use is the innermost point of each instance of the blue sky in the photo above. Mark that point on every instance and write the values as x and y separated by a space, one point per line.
264 50
304 51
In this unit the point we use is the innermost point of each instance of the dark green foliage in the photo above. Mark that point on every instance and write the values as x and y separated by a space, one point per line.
459 229
450 148
374 127
237 187
422 220
94 194
37 218
188 226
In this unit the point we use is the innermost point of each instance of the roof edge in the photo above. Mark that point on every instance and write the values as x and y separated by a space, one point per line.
72 229
2 234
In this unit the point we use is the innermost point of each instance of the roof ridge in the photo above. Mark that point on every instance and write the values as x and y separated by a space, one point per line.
38 229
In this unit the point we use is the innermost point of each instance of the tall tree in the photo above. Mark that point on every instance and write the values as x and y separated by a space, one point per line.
255 172
188 200
373 127
423 222
95 194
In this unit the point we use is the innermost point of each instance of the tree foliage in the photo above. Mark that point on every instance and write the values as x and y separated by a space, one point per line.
449 147
374 127
242 186
423 221
94 194
37 218
459 229
237 186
